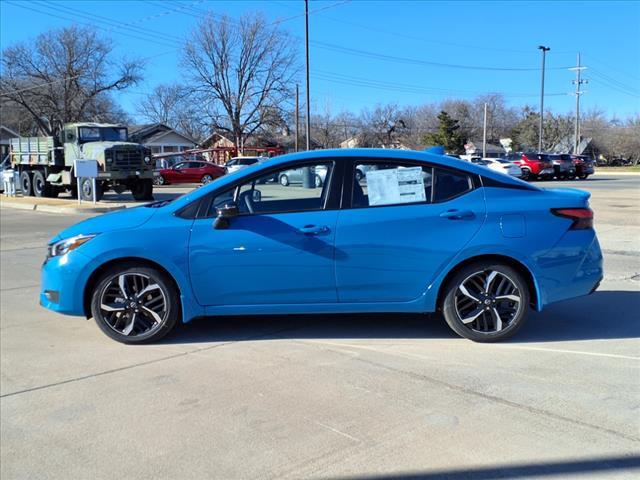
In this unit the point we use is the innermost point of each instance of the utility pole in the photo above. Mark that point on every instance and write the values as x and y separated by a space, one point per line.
577 82
484 133
544 51
306 172
297 116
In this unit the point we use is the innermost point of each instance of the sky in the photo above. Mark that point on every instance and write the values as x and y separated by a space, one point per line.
364 53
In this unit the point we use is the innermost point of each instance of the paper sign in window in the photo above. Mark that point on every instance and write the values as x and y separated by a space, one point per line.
397 185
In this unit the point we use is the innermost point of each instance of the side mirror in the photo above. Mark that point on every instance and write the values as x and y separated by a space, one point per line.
225 213
256 195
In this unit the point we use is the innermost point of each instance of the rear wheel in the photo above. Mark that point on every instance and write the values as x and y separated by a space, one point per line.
318 181
284 180
159 180
583 176
42 188
26 185
359 175
526 174
486 302
206 179
135 304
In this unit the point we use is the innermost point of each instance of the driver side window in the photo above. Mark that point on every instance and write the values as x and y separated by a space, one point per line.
282 191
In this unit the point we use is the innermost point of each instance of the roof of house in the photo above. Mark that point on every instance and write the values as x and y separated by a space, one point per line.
153 132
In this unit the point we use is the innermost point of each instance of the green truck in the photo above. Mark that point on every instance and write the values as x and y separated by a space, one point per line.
46 164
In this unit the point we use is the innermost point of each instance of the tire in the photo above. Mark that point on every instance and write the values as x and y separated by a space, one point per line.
284 180
318 181
26 185
42 188
142 189
39 184
526 174
583 176
206 179
86 190
127 318
159 180
486 318
359 175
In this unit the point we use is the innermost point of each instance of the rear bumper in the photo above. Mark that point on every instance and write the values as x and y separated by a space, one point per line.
573 268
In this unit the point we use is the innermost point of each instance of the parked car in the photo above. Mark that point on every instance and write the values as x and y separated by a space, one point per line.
238 163
295 176
533 165
190 172
500 165
563 166
423 233
584 166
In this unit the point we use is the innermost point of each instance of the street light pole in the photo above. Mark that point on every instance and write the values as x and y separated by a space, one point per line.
544 51
306 172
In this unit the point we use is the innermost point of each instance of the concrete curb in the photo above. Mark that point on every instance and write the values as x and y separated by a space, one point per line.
63 209
610 172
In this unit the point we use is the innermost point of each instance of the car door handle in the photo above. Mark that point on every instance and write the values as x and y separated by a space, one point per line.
455 214
313 229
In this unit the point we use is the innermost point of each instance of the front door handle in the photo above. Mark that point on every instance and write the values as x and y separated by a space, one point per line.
313 229
456 214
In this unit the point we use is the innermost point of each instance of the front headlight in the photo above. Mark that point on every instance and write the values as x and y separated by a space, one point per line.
65 246
147 160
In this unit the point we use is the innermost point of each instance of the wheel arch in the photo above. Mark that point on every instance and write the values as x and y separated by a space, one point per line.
534 289
95 275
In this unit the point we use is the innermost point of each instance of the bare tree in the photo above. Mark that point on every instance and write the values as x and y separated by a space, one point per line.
241 71
64 76
175 105
382 127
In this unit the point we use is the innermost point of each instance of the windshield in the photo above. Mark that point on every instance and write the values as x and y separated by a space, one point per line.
104 134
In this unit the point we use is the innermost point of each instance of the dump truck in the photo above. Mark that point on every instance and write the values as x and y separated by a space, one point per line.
46 164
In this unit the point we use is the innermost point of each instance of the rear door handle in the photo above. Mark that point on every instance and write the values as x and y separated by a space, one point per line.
313 229
456 214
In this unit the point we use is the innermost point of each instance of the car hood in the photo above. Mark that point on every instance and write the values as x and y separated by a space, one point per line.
119 220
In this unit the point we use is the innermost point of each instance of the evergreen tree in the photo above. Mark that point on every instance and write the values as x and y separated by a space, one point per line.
448 135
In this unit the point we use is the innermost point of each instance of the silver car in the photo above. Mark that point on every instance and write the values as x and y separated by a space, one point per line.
294 176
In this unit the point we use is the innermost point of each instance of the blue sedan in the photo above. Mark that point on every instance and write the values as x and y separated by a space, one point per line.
418 232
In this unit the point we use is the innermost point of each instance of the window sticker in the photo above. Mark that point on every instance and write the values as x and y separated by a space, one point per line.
397 185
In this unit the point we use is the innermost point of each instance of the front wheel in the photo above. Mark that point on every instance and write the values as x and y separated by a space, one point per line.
318 181
583 176
486 302
526 174
86 190
142 189
284 180
135 304
159 180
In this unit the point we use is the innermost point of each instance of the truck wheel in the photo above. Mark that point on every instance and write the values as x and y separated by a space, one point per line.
86 190
142 189
41 188
526 174
26 184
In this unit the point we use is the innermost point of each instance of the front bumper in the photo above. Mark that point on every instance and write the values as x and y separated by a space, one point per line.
62 283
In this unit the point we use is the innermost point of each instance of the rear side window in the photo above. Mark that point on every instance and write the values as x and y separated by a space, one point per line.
449 184
247 161
379 184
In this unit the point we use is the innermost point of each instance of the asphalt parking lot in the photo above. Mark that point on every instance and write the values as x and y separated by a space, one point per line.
342 396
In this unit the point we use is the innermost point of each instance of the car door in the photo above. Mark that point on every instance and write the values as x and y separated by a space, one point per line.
278 250
401 228
178 174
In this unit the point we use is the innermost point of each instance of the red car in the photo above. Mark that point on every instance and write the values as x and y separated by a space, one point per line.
533 165
190 172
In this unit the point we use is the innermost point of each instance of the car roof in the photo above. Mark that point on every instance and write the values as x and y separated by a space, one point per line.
354 153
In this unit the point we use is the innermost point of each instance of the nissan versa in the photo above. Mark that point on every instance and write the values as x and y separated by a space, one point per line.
419 232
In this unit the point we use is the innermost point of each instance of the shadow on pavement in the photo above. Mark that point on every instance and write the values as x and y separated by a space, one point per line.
602 315
562 469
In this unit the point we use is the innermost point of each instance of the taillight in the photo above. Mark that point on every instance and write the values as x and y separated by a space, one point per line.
582 217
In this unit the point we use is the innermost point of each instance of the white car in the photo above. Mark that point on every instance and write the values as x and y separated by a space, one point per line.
500 165
238 163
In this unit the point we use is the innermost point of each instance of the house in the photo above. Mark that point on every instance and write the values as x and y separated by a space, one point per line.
567 145
160 138
491 150
5 134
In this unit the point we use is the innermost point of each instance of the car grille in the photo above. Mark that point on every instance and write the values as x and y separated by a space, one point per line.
127 159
